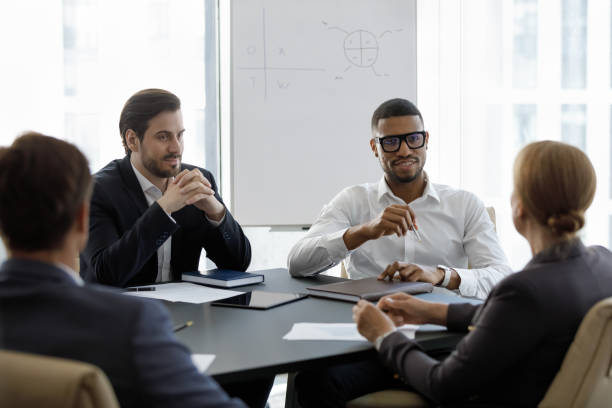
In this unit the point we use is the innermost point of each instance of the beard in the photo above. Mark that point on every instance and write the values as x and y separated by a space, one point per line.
153 166
405 179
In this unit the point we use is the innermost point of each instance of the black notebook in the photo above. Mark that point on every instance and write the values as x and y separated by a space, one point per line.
367 289
224 278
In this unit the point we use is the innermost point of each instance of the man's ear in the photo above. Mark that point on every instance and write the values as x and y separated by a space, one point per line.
373 147
82 221
426 140
132 141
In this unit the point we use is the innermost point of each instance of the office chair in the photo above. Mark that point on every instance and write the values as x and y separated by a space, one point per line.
28 380
585 377
389 399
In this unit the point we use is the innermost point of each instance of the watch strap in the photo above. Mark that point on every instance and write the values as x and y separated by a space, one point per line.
447 275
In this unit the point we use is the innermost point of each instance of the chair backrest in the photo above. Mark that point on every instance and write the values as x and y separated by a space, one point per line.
584 379
28 380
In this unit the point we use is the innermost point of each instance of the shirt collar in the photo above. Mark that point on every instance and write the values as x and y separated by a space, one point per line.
70 272
144 182
38 271
384 189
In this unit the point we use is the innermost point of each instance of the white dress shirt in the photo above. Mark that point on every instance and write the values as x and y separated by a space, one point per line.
152 194
454 226
164 254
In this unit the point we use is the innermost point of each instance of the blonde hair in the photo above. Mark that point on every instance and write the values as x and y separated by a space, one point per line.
556 183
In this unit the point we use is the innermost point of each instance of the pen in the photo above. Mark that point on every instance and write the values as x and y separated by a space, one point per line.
142 289
182 326
416 234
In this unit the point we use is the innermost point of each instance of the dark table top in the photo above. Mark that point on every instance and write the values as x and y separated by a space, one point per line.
248 343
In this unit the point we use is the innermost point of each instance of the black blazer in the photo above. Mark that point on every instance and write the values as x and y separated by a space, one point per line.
44 311
125 233
520 335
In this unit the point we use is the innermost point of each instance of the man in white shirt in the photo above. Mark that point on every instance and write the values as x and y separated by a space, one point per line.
404 225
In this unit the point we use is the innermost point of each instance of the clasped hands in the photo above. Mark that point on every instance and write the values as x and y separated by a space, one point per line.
393 311
191 187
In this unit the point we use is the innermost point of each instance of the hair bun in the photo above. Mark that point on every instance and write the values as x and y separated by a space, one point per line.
569 222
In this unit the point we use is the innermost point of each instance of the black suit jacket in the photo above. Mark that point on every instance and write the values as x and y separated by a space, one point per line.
520 335
125 233
44 311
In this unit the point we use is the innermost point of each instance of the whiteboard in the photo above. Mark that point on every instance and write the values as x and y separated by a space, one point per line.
306 77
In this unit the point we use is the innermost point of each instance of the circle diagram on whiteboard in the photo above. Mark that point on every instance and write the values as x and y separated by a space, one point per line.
361 47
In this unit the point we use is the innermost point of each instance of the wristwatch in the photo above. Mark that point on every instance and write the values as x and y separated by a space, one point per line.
447 275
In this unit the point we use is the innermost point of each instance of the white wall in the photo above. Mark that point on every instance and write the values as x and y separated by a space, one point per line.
271 247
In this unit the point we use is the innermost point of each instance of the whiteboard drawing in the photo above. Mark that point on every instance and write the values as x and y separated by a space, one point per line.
265 67
361 47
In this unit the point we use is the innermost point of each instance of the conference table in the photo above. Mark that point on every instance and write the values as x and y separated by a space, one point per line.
249 343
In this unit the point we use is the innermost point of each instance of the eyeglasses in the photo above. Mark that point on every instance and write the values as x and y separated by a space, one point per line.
414 140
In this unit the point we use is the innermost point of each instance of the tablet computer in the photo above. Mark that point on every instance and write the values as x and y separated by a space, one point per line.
258 299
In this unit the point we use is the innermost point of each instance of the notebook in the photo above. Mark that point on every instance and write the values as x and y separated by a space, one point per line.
224 278
367 289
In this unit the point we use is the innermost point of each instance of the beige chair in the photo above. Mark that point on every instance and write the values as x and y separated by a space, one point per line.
28 380
585 377
389 399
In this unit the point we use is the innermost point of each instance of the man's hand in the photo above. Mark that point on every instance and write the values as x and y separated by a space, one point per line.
191 187
371 321
413 273
395 219
402 309
201 194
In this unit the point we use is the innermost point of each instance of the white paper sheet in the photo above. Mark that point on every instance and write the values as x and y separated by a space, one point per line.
324 331
202 361
336 331
185 292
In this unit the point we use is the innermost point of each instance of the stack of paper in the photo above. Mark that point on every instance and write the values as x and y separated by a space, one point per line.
336 331
202 361
185 292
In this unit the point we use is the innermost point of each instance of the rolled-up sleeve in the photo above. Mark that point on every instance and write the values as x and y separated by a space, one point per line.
323 246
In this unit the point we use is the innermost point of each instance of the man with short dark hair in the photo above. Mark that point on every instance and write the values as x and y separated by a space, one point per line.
45 308
151 214
404 225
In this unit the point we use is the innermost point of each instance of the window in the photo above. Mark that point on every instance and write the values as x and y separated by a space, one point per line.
70 69
495 75
74 79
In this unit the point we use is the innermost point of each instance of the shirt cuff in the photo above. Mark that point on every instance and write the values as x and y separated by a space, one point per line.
215 223
468 285
336 248
378 341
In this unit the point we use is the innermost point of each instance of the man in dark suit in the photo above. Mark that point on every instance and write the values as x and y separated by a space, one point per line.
151 215
45 308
